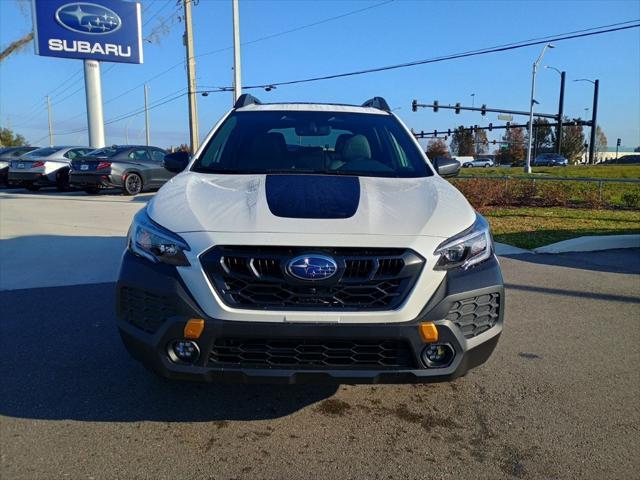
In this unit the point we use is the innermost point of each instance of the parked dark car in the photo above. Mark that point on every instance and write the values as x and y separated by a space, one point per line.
550 160
133 168
624 160
6 155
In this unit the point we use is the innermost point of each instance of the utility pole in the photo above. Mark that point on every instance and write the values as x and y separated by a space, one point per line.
146 114
93 90
50 121
563 76
191 76
237 74
527 165
594 122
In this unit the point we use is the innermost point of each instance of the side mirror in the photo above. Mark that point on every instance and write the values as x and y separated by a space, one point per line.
176 162
446 167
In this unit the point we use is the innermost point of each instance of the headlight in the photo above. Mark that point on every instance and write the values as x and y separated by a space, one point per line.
466 249
153 242
4 164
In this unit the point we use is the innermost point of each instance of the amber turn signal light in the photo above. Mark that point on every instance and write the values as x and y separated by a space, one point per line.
428 332
194 328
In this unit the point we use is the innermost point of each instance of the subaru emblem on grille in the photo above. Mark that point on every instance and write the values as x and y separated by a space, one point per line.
312 267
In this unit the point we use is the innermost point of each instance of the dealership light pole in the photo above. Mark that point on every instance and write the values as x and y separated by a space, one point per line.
93 90
527 165
191 77
50 121
237 73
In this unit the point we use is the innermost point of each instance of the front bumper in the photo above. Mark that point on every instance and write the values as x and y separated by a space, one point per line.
89 180
147 340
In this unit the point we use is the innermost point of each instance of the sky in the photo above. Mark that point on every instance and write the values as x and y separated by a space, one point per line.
381 33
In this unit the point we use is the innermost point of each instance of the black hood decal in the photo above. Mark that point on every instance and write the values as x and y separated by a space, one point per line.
312 196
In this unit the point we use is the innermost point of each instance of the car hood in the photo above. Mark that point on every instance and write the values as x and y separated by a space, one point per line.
195 202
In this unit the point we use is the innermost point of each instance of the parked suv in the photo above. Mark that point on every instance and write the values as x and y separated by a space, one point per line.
44 167
478 162
133 168
7 154
310 243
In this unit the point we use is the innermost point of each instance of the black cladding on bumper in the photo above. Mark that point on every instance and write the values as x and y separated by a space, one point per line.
147 339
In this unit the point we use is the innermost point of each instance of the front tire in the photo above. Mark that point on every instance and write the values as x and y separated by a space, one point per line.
62 182
132 184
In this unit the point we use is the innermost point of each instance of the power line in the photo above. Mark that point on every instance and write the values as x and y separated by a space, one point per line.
485 51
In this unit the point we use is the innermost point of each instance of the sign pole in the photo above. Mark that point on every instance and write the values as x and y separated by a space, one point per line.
191 77
93 90
237 77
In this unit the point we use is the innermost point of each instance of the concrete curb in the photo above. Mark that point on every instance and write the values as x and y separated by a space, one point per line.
590 244
505 249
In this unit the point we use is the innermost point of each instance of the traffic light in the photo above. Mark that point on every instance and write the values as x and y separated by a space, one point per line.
618 143
508 126
490 126
414 106
457 107
483 110
435 133
449 132
435 105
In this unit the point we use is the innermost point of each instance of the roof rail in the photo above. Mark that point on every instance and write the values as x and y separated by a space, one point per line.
246 99
377 102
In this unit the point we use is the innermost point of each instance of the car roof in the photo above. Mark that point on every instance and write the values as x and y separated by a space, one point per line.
310 107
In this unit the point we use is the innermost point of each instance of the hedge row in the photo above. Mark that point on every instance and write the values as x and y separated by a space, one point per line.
485 192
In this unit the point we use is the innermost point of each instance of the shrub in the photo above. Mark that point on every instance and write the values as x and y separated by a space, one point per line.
631 199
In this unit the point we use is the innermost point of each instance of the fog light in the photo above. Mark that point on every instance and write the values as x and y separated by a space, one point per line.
184 351
438 355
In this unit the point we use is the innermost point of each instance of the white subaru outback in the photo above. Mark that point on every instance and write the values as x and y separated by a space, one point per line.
310 243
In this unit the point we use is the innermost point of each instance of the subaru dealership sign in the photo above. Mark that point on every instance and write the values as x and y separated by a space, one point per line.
105 30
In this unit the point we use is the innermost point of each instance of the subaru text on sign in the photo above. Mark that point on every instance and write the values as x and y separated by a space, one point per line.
105 30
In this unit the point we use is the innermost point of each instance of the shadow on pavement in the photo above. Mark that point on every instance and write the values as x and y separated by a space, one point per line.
103 196
624 260
574 293
63 359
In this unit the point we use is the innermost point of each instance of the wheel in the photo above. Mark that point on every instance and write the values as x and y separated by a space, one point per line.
92 190
132 184
62 182
486 165
32 188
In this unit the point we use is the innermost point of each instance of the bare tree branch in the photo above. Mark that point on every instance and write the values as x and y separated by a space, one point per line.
15 46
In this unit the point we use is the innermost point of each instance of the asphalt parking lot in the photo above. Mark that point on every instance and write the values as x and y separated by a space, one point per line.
558 398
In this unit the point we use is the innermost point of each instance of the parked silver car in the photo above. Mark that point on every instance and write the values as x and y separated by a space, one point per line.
6 155
45 167
479 162
133 168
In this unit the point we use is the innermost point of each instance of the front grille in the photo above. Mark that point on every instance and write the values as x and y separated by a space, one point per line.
144 309
475 315
310 354
367 279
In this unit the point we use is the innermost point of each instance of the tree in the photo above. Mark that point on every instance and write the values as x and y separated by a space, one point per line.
513 148
601 143
572 142
543 138
10 139
481 142
462 142
437 148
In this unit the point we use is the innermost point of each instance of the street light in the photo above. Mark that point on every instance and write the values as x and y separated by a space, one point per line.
527 166
563 76
594 116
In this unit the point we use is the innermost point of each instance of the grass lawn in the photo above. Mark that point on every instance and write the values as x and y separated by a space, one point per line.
592 171
534 227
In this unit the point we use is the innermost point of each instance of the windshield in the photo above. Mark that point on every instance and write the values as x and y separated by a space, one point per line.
42 152
336 143
106 152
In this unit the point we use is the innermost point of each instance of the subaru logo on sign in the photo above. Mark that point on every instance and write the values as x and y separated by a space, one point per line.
89 18
312 267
